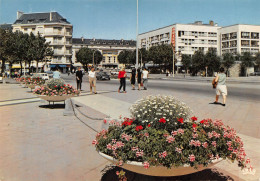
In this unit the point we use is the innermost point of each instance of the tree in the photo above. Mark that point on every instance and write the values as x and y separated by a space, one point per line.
126 57
257 60
97 57
186 61
228 61
84 56
41 50
247 61
212 61
198 62
143 55
3 48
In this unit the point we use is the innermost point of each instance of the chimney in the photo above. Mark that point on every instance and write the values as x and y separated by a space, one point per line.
50 16
19 14
211 23
82 39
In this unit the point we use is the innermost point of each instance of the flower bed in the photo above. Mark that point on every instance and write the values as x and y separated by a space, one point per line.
167 136
34 81
56 88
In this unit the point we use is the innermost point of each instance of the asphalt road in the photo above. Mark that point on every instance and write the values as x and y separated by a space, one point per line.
238 91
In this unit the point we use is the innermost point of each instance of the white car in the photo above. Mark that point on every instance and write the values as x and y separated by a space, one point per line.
44 76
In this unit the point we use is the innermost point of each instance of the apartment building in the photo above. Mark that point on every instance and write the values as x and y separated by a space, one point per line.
110 49
56 30
186 38
239 39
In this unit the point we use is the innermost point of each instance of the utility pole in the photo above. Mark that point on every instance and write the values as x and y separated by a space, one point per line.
173 57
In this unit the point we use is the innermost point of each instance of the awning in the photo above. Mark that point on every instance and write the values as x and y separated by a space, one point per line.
59 65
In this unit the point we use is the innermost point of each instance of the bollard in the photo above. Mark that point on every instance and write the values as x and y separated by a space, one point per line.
68 111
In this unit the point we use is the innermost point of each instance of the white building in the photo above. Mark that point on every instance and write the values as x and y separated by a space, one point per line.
56 30
186 38
239 39
110 49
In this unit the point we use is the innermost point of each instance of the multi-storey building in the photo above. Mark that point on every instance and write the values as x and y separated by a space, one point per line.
239 39
110 49
56 30
186 38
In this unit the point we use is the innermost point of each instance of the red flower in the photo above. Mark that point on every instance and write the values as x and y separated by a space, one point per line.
105 121
55 86
137 128
180 120
149 125
162 120
194 118
202 121
61 87
127 123
194 125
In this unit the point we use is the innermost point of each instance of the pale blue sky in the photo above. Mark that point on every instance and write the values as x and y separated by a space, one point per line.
116 19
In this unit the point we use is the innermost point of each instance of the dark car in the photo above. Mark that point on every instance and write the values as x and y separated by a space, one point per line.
103 76
255 74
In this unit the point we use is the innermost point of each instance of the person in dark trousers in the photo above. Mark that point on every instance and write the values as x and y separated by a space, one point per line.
132 78
79 76
139 78
122 76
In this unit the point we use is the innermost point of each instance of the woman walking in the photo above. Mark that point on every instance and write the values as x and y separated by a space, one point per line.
122 76
132 78
221 88
139 78
92 80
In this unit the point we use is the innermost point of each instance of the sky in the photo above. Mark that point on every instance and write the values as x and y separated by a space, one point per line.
116 19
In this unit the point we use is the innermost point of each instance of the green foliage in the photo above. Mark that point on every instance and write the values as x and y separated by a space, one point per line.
247 61
198 62
212 61
127 57
85 56
228 60
186 61
257 60
161 54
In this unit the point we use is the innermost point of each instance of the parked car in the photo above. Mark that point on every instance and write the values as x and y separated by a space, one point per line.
114 72
103 76
44 76
50 73
255 74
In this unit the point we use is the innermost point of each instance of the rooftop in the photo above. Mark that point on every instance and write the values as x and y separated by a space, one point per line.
6 26
37 18
103 42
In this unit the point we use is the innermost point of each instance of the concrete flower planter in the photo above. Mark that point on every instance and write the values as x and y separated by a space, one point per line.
55 98
159 170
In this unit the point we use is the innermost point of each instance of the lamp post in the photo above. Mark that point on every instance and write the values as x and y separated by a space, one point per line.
173 57
136 64
141 58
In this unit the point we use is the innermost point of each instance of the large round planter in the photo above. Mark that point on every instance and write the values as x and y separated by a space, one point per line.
159 170
31 86
55 98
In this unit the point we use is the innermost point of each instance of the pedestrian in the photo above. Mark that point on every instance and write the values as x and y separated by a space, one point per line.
145 78
79 76
92 79
56 73
221 88
132 78
139 78
122 77
68 73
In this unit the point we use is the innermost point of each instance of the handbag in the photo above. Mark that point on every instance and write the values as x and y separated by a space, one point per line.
214 83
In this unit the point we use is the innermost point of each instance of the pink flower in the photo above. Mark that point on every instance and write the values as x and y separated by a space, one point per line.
139 153
105 121
214 143
109 146
174 133
94 142
170 139
192 158
146 135
210 135
247 161
195 135
205 144
179 150
117 172
135 148
181 131
146 165
163 154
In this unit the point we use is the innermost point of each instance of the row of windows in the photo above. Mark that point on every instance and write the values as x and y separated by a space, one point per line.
197 34
233 35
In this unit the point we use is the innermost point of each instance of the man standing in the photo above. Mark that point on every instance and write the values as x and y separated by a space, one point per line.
92 80
145 78
79 76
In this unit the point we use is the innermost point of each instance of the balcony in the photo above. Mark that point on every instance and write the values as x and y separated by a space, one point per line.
54 33
57 52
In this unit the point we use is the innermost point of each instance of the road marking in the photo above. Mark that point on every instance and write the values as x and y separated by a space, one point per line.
20 101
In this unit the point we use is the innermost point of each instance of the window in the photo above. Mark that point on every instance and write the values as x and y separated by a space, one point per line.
245 35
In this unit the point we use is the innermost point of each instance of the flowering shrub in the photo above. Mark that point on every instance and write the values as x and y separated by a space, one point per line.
23 79
55 88
191 142
35 81
152 108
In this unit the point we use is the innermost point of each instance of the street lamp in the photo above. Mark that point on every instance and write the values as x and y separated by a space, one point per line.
136 64
141 57
173 57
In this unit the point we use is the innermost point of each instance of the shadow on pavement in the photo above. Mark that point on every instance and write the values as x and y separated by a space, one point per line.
109 173
216 103
53 106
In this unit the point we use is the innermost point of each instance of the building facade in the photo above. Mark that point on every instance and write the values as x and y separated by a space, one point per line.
186 38
54 28
110 49
239 39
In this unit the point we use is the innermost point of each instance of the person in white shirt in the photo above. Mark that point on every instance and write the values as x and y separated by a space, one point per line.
145 78
92 79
